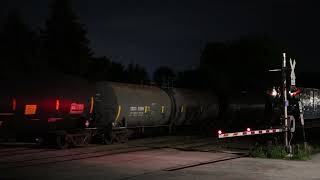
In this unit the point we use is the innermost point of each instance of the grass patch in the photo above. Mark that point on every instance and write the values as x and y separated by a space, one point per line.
299 153
274 152
279 152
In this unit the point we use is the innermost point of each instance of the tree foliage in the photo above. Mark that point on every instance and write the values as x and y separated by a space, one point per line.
163 75
18 46
103 69
241 65
136 74
193 78
64 40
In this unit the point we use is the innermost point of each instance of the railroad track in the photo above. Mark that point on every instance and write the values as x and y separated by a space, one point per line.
4 150
67 158
18 158
24 152
203 144
103 151
190 165
25 157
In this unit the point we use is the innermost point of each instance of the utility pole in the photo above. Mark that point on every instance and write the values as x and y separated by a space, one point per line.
286 103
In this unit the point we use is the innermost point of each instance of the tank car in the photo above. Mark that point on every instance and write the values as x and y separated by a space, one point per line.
121 107
245 110
310 99
68 110
193 107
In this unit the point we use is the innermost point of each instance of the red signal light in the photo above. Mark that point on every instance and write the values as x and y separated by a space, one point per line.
296 92
219 132
248 129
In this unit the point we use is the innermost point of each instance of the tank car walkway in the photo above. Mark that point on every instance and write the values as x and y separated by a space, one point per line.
154 158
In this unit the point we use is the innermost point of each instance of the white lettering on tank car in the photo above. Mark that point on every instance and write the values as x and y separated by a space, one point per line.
133 108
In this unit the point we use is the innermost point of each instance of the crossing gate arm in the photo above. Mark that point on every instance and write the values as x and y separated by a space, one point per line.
249 133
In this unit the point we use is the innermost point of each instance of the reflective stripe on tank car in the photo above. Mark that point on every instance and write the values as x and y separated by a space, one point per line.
118 113
182 108
146 109
91 105
162 109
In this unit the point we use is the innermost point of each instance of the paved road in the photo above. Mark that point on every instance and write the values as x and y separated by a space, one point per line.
155 163
157 158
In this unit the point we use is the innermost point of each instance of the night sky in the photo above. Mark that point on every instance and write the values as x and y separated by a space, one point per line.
167 32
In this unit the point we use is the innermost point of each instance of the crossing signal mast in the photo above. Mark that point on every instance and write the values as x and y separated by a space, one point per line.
288 120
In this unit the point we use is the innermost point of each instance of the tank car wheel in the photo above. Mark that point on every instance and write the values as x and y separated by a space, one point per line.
61 142
107 138
87 140
124 139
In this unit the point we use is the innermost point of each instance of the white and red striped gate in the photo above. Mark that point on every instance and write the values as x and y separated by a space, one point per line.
248 132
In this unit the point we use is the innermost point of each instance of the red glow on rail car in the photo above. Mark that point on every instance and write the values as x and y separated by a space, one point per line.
76 108
14 104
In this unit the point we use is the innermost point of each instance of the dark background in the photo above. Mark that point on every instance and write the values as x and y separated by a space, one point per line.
225 45
172 33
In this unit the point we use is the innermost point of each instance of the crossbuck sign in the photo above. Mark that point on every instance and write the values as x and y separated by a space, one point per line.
293 76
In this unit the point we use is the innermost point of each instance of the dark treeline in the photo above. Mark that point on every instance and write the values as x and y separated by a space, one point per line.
309 79
242 65
19 46
62 45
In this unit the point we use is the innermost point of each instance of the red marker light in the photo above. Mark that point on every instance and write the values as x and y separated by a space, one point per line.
248 129
14 104
219 132
57 104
